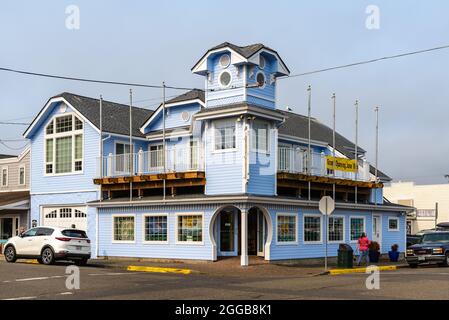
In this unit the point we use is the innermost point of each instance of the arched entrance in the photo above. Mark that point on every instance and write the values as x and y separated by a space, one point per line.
234 231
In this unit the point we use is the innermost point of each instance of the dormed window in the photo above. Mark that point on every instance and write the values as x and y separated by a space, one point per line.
225 79
262 62
64 145
260 79
225 61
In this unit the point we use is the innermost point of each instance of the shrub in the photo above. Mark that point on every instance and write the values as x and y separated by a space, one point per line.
374 246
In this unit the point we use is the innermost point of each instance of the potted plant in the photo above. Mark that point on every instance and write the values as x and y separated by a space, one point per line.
394 253
374 251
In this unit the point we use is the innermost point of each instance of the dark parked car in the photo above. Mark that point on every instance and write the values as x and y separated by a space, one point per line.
413 239
433 248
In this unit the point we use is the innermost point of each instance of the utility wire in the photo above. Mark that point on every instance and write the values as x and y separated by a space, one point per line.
15 123
46 75
367 61
12 148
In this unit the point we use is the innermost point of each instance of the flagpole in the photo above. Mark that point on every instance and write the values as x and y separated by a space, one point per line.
131 144
101 145
163 140
377 152
334 98
356 145
309 151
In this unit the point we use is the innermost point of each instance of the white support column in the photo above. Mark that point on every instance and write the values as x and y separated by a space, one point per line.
244 240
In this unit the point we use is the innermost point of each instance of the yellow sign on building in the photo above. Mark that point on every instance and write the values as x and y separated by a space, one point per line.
341 164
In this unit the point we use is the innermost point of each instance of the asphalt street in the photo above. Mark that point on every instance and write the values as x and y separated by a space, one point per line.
30 281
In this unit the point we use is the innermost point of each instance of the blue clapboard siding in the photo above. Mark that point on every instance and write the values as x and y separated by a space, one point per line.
262 169
139 249
390 238
303 250
110 143
40 183
265 96
376 196
224 171
173 117
214 98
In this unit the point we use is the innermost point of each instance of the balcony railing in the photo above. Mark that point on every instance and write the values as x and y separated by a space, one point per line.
294 160
151 162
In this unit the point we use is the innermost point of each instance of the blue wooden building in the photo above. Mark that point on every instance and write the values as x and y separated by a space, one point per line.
233 177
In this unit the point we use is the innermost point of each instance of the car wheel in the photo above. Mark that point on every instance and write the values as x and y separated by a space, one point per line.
10 254
413 265
446 261
47 256
81 262
40 261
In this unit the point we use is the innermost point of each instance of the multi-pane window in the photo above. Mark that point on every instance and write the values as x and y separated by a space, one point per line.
259 139
286 228
64 145
80 214
52 215
22 176
336 229
64 124
156 228
4 177
393 224
225 135
357 227
190 228
124 228
312 228
65 213
156 156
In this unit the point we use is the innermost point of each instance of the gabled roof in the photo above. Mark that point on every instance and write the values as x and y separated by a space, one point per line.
195 95
246 52
115 115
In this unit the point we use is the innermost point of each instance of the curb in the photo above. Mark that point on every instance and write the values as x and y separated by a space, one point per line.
334 272
158 270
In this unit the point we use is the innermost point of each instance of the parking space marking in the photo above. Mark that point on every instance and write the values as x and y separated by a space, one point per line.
21 298
32 279
66 293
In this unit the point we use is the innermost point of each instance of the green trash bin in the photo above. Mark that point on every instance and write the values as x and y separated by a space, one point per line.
345 256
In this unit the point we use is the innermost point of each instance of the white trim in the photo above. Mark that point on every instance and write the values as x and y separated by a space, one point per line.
264 80
18 158
289 243
63 192
237 111
219 79
113 228
214 129
143 228
398 224
200 66
179 214
168 105
220 62
364 227
344 229
281 67
304 216
44 110
261 57
304 141
24 175
54 136
2 183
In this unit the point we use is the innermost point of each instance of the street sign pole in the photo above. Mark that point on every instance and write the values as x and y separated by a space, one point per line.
326 207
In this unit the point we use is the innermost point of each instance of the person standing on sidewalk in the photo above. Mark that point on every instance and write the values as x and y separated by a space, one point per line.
363 247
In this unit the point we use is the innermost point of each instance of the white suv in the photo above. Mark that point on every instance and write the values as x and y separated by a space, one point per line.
48 244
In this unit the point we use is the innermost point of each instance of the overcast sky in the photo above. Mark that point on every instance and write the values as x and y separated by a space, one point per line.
137 41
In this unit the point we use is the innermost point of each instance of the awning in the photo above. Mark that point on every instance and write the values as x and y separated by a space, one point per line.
15 200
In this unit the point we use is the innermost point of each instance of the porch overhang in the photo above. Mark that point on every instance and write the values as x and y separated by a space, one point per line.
15 201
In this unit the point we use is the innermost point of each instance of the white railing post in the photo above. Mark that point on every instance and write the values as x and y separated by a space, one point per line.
140 167
109 165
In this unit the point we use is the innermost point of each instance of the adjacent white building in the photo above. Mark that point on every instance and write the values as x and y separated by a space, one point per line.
431 203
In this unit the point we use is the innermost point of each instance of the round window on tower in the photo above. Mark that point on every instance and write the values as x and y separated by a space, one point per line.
225 79
225 61
260 78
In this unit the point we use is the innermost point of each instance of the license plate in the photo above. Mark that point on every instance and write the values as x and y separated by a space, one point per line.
421 258
79 248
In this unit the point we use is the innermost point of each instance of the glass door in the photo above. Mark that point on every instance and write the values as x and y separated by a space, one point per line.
123 158
227 231
6 228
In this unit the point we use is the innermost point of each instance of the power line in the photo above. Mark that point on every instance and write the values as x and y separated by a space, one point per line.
12 148
15 123
367 61
46 75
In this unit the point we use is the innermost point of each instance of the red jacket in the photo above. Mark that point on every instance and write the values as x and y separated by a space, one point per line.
364 243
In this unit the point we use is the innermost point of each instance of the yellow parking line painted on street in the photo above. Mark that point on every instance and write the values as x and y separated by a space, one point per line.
360 270
158 270
32 261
